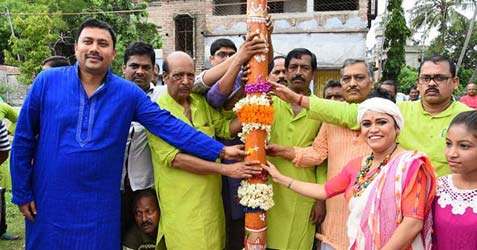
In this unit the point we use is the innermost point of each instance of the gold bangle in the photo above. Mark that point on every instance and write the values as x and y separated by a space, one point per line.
290 183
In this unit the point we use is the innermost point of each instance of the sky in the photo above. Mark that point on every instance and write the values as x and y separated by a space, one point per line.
407 6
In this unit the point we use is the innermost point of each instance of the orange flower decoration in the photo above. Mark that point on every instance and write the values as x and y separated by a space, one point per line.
256 114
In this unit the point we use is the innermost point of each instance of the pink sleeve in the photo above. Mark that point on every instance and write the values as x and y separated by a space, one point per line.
314 155
344 179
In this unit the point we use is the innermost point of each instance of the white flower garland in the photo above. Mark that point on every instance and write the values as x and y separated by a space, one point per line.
248 127
256 195
262 100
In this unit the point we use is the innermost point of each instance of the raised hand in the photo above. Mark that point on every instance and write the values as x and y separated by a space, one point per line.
284 93
253 45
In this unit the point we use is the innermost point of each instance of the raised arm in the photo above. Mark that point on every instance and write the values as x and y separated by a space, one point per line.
328 111
220 92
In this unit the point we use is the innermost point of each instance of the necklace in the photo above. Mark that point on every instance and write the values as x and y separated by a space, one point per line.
362 180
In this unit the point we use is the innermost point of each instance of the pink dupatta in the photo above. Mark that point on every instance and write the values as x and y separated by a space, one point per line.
382 213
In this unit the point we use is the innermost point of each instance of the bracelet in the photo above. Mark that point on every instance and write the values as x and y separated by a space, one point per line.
299 100
290 183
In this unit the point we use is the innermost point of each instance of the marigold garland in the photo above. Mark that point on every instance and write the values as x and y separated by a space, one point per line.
256 114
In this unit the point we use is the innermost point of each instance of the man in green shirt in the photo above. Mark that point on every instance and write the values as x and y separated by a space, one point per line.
289 225
188 188
427 120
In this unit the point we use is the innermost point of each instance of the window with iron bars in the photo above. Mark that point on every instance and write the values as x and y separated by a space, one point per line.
335 5
184 34
239 7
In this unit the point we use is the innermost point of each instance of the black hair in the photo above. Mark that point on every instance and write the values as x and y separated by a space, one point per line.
272 63
222 43
391 83
56 61
467 118
411 88
351 61
165 66
140 48
439 58
331 84
150 192
297 54
95 23
381 93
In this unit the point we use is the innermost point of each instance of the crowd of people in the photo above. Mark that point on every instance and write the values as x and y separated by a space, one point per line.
102 162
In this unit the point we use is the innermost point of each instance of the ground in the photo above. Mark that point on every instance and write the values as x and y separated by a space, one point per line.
15 221
16 225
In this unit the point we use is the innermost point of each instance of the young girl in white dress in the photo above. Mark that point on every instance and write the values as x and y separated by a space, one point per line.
455 206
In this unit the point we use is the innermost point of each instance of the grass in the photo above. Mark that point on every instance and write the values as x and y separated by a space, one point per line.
16 225
15 220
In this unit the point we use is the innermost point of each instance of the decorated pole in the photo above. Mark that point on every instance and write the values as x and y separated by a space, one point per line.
256 114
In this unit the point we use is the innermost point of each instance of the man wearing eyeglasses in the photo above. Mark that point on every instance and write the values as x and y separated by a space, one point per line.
427 120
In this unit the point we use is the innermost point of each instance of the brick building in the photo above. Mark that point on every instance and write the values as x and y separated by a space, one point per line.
333 29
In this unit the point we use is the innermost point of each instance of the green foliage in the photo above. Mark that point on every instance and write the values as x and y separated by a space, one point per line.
428 14
31 44
40 36
407 78
396 34
464 78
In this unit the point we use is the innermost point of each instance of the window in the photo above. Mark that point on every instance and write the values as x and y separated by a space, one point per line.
239 7
335 5
184 34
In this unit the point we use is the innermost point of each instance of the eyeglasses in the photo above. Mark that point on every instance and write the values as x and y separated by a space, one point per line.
439 79
224 54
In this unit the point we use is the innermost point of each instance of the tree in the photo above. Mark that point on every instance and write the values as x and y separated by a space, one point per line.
129 27
395 36
56 34
428 14
30 45
407 78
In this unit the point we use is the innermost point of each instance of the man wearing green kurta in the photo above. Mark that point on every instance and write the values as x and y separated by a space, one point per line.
7 112
288 224
188 188
426 120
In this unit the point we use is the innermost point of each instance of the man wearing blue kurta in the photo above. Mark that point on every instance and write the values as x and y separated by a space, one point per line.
69 146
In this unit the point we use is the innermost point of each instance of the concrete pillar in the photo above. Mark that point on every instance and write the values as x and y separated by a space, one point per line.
309 5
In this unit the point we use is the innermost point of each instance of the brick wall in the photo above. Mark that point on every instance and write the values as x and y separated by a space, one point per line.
209 27
162 13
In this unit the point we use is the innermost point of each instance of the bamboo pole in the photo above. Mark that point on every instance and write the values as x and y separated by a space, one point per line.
255 221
